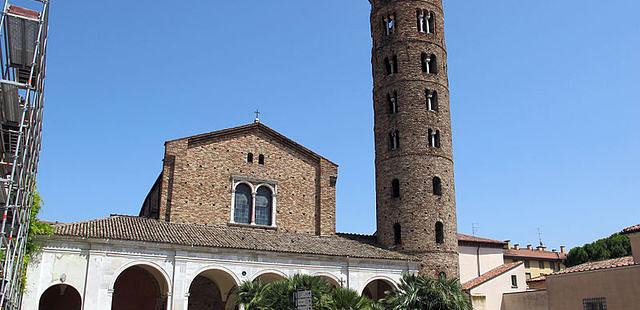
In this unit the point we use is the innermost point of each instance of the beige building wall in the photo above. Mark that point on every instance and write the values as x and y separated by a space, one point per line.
475 261
534 266
635 246
494 289
620 287
530 300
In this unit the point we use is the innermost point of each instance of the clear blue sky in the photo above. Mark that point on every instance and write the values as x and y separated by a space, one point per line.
544 95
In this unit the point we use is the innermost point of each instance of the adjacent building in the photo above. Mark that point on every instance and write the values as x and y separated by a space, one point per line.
538 262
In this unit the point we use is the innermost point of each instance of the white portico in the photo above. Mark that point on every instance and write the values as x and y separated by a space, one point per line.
113 260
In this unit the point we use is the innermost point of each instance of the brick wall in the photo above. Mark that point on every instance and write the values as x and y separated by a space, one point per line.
197 187
414 163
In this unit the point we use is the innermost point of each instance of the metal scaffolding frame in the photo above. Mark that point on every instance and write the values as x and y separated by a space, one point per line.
23 46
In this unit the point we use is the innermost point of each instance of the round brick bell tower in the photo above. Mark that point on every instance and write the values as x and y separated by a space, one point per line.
416 208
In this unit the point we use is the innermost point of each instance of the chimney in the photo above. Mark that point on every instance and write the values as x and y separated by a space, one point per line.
554 251
541 248
563 249
516 246
529 247
508 244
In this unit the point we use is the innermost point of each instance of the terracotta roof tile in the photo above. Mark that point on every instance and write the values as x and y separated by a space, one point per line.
535 254
462 238
13 9
592 266
150 230
492 274
632 229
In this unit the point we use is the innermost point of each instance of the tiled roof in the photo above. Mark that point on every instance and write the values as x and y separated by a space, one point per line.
632 229
492 274
150 230
462 238
534 254
592 266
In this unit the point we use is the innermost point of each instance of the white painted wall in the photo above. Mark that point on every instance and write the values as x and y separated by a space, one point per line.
495 288
490 258
97 264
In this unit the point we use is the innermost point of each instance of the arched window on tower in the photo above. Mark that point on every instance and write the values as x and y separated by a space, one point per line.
264 206
261 159
426 21
394 140
389 24
250 158
439 233
395 188
397 234
429 63
392 100
391 65
243 201
432 100
437 186
434 138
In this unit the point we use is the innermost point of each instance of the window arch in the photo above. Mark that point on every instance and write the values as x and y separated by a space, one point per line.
426 21
395 188
432 100
439 233
243 203
437 186
392 100
397 234
250 158
391 65
389 24
264 206
394 140
261 159
429 63
434 138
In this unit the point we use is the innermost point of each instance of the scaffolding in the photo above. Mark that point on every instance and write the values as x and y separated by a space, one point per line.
23 46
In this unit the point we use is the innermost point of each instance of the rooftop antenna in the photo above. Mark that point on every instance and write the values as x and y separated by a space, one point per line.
257 120
474 228
540 236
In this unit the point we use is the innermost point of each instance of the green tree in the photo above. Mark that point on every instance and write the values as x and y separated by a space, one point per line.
615 246
426 293
36 228
346 299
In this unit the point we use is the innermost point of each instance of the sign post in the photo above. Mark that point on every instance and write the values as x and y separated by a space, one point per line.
303 300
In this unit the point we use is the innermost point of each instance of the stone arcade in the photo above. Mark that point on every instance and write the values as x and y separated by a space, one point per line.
248 203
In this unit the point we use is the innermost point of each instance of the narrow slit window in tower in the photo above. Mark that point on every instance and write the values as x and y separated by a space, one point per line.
439 233
437 139
397 234
429 63
394 140
261 159
437 186
250 158
432 100
395 188
392 99
389 24
434 138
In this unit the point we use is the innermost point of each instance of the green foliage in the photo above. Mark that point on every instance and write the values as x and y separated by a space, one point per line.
36 228
615 246
425 293
279 295
414 293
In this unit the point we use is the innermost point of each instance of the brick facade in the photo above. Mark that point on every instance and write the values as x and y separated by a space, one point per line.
414 163
197 181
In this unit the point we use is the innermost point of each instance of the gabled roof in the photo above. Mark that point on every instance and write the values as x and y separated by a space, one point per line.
254 127
473 240
632 229
130 228
534 254
601 265
490 275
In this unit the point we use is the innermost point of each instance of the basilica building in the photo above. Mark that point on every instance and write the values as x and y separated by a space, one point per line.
248 203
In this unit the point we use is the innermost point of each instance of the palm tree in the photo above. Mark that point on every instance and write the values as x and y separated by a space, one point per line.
348 299
425 293
250 294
